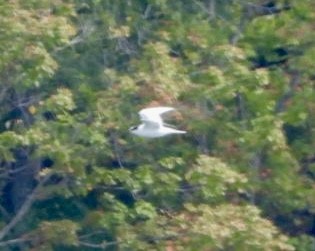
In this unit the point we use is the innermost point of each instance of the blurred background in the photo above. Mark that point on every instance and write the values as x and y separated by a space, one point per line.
74 74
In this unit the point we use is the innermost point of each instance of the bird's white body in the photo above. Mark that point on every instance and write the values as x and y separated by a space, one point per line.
152 124
162 131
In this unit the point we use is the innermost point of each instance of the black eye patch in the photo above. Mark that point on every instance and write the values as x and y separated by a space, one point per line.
133 128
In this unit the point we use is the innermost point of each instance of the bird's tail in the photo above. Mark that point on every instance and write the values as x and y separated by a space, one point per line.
180 132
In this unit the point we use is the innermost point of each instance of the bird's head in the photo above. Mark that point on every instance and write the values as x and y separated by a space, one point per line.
133 129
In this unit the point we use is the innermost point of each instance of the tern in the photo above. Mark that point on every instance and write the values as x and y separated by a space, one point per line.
152 123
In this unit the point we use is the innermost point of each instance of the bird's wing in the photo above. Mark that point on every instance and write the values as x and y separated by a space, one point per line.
151 117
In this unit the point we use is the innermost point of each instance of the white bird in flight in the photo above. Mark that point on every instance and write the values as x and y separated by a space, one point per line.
152 124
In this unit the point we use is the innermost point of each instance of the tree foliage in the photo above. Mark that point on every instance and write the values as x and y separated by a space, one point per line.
74 73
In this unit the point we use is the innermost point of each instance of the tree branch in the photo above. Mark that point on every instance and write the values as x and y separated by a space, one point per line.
24 208
294 82
13 241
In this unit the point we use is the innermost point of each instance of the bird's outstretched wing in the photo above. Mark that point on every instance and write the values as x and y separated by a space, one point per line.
151 117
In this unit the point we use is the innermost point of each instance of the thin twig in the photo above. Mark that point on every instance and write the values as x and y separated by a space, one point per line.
91 234
147 11
102 245
116 150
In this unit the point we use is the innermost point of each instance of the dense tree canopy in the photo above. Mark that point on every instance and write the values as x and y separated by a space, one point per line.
74 74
